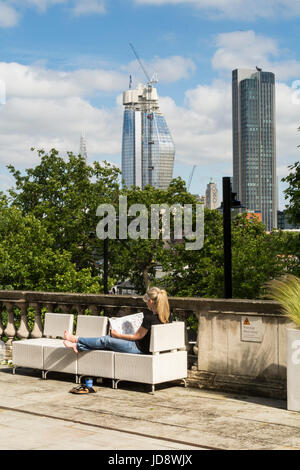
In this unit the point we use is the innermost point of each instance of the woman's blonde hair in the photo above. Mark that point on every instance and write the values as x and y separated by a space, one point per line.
161 304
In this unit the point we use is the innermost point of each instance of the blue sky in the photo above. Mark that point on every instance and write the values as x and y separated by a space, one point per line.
65 64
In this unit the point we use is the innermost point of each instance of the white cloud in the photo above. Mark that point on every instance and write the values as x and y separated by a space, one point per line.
8 16
202 127
88 7
246 49
236 9
47 123
50 108
10 12
169 69
34 81
46 108
41 5
242 49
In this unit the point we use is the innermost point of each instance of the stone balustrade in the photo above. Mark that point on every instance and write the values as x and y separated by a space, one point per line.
218 357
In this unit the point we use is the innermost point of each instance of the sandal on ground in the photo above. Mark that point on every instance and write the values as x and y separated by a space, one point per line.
82 389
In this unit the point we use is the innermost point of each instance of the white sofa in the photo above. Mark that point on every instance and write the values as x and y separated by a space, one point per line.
167 361
30 352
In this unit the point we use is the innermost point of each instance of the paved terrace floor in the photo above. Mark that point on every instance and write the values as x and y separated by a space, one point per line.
42 414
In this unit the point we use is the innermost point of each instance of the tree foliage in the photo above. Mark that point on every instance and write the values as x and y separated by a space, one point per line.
137 260
64 193
48 236
29 261
255 260
292 193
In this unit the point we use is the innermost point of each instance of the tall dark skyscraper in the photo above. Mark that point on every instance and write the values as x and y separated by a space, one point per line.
254 142
148 150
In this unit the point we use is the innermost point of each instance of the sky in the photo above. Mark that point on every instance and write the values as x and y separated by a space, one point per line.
65 63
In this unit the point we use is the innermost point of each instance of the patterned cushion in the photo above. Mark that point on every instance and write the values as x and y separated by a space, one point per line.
127 325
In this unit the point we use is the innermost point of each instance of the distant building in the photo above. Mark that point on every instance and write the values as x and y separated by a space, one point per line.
283 222
254 215
202 199
123 288
254 144
148 149
83 147
212 195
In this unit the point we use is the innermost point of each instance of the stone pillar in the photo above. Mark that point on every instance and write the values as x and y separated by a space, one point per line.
94 309
10 330
23 331
37 331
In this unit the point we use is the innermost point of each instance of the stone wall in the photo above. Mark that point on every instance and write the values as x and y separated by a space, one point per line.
235 359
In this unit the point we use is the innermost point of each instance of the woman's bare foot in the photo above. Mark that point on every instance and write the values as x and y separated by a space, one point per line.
70 345
69 337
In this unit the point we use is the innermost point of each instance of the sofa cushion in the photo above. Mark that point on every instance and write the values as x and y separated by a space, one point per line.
57 357
96 363
56 323
167 337
151 369
89 326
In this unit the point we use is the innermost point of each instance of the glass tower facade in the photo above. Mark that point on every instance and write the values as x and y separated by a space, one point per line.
254 144
157 151
148 149
128 148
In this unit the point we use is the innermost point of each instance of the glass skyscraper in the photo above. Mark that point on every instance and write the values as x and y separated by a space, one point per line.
254 142
148 149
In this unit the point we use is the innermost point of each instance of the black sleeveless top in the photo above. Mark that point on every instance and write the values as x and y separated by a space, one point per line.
149 320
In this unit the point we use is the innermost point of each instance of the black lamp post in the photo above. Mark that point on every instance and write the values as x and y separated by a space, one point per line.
229 202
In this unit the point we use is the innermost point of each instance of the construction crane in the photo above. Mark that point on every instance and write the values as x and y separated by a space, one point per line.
191 177
149 115
150 80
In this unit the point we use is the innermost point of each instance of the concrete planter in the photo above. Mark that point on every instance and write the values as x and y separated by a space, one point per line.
293 369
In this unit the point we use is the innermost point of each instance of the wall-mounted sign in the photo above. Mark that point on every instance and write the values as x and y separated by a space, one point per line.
251 328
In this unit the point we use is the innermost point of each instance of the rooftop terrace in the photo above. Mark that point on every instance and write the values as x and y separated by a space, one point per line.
42 414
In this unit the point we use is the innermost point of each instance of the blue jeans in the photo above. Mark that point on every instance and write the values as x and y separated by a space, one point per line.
108 343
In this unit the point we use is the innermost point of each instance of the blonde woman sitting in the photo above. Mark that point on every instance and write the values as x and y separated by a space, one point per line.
138 343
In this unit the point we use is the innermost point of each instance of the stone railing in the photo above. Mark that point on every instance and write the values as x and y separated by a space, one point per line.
19 308
218 356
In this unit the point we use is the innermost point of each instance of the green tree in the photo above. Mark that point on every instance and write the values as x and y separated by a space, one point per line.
292 193
64 193
200 273
287 246
197 272
137 260
255 258
29 261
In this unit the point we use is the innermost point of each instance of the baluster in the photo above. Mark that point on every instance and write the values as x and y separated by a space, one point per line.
23 331
80 309
37 331
65 308
94 309
10 330
49 307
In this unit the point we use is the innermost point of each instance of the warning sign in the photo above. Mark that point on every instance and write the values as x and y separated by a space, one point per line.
251 328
